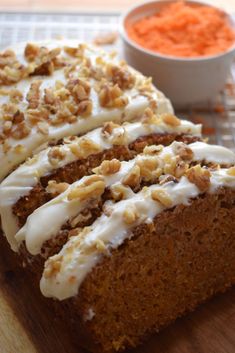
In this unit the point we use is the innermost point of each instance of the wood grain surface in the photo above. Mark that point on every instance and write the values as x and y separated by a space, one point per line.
27 324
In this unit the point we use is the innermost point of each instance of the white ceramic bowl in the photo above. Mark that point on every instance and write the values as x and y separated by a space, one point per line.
184 80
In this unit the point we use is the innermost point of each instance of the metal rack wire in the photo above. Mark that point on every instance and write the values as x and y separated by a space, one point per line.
218 118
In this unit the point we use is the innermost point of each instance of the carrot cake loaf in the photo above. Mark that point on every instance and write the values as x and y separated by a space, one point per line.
122 213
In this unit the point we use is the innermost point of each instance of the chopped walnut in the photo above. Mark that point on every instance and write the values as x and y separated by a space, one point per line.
78 52
56 188
80 89
21 131
44 69
130 215
153 149
162 196
148 167
171 119
33 95
184 152
85 191
111 96
37 115
148 116
180 169
15 96
169 164
120 76
31 52
108 167
163 179
200 177
55 155
108 128
84 147
43 127
118 192
84 108
132 179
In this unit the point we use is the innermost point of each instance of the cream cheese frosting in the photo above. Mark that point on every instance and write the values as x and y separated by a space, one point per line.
64 272
21 181
14 151
52 215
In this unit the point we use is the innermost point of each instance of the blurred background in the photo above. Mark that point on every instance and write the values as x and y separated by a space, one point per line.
87 5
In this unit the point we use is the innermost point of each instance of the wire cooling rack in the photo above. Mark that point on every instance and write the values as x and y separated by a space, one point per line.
218 119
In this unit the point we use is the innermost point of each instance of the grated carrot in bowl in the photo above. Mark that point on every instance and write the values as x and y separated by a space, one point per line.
184 30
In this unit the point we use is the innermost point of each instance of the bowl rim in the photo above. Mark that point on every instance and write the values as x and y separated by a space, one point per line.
126 38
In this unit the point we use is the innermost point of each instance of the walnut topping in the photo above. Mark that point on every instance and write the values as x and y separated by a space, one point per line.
130 215
78 52
132 179
33 94
80 89
184 152
56 188
120 76
15 96
89 189
148 116
153 150
200 177
52 266
180 169
43 128
171 119
84 148
170 164
111 96
118 192
108 167
31 52
7 126
20 131
108 128
85 108
55 155
162 196
231 171
148 168
163 179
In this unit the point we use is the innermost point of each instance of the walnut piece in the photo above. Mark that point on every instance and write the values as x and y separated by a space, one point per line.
199 176
162 196
171 119
92 189
108 167
130 215
132 179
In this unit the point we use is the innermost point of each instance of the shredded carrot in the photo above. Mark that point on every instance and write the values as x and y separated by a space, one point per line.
184 30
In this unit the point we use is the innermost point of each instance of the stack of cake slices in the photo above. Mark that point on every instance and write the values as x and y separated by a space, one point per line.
122 212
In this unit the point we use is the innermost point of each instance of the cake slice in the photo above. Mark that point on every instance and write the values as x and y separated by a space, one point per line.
149 259
51 90
123 215
26 189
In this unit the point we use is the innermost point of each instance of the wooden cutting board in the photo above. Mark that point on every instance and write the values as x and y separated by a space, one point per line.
25 326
